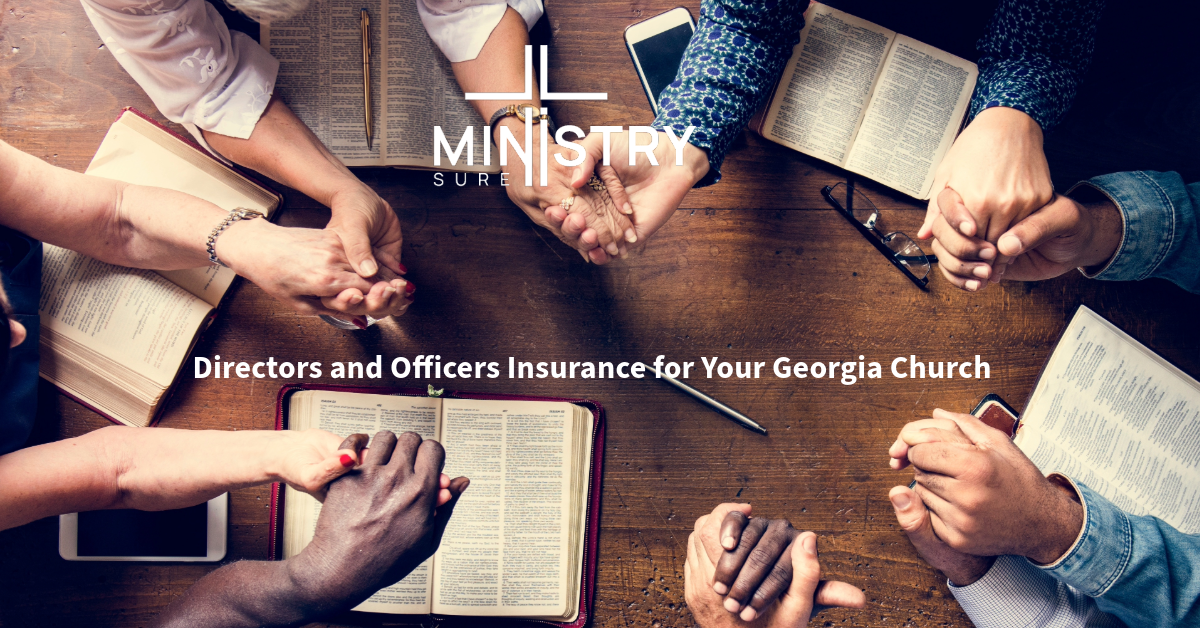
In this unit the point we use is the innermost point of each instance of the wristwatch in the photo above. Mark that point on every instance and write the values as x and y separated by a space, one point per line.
236 214
518 110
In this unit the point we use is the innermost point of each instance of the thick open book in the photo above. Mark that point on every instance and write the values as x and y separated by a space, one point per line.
865 98
115 338
412 85
517 544
1112 414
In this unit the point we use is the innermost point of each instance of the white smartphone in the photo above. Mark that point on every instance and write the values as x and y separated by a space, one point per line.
193 535
657 45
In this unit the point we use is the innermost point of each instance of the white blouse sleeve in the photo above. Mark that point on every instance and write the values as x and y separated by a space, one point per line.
197 73
1015 594
461 27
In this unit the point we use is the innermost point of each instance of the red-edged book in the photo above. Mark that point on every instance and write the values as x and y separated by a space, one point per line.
521 547
115 338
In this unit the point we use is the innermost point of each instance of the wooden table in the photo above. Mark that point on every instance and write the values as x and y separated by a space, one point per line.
754 268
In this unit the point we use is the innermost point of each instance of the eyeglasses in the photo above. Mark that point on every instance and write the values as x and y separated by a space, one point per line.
900 249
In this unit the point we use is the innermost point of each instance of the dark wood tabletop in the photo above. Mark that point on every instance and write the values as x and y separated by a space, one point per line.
754 268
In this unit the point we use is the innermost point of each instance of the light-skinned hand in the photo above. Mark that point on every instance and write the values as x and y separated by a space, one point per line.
984 495
309 270
782 577
962 569
649 193
998 173
368 228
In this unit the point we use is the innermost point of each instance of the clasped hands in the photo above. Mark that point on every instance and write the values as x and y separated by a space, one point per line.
349 270
994 214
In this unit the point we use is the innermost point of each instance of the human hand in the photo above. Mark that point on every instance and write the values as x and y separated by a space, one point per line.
368 228
760 562
379 522
308 269
962 569
650 193
309 460
984 495
999 175
593 225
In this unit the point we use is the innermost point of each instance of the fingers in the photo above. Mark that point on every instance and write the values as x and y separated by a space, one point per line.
942 458
444 494
381 449
763 564
955 212
940 430
838 593
404 458
775 583
730 563
593 148
795 608
1061 216
444 511
351 447
972 427
912 515
616 189
335 465
731 530
430 459
950 267
357 243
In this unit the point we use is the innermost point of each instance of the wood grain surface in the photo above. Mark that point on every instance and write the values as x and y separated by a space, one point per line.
755 268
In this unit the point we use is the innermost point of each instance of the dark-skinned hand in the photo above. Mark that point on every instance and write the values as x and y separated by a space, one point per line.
380 521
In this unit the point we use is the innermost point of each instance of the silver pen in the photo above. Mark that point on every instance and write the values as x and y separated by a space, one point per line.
744 420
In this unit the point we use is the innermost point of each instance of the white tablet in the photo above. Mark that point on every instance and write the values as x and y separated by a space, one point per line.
196 534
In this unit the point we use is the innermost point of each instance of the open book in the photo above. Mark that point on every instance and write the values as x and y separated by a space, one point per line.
515 545
412 85
115 338
867 99
1112 414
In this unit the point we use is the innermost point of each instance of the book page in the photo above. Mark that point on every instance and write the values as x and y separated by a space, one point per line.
135 317
135 151
412 84
915 113
345 413
827 83
1110 413
505 551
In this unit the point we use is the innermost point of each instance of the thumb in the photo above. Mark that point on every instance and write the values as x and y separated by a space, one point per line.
357 244
1057 218
955 210
593 153
912 515
796 606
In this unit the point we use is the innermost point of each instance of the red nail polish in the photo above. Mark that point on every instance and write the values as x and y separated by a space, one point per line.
409 288
402 267
346 460
359 323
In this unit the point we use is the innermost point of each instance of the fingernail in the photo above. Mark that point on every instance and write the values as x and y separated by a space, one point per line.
980 271
731 605
901 501
720 588
356 299
347 461
630 236
410 288
402 267
729 543
810 544
612 249
628 209
388 292
370 267
748 614
963 226
359 322
972 285
987 254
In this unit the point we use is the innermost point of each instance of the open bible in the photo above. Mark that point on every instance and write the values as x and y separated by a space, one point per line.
1112 414
412 85
517 544
115 338
865 98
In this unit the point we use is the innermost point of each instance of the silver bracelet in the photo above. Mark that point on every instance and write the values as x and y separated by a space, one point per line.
235 214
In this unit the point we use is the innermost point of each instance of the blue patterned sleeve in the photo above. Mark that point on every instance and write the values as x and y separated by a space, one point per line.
1033 54
734 58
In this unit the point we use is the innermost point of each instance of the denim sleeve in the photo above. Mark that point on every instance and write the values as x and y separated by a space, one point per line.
734 58
1161 235
1140 569
1033 54
1014 593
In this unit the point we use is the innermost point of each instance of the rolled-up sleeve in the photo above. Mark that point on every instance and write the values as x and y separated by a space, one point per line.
180 52
1016 594
1161 235
460 28
1140 569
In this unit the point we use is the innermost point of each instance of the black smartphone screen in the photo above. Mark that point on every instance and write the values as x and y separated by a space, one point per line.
182 532
660 56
